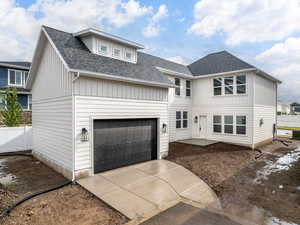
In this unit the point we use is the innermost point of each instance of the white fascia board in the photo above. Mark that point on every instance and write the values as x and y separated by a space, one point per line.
122 79
18 92
14 66
174 73
109 36
224 73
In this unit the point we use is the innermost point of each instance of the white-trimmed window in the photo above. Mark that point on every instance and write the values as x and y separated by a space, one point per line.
241 84
116 52
228 124
241 122
103 48
188 88
218 83
184 119
128 55
217 124
17 77
181 119
177 88
178 119
230 85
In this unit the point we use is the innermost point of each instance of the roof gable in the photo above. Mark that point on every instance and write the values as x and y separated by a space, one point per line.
78 57
218 62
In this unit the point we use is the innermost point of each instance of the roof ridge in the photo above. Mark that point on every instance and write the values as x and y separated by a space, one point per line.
164 59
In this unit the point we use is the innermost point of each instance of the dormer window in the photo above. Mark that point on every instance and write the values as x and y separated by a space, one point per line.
103 49
128 55
117 52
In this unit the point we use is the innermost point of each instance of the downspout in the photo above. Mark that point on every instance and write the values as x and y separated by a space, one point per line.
77 75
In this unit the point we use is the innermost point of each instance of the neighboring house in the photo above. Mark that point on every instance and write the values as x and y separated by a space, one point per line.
283 108
14 74
295 108
99 103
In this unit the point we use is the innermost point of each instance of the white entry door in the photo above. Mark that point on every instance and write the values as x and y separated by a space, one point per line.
202 126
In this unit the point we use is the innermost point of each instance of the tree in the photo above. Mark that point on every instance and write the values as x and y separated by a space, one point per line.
12 110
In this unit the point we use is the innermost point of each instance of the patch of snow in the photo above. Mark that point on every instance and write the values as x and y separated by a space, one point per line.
283 163
277 221
5 179
284 133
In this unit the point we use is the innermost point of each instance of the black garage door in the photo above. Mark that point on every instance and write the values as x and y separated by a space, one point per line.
120 143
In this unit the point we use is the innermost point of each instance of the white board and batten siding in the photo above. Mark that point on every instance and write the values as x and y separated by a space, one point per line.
179 103
52 110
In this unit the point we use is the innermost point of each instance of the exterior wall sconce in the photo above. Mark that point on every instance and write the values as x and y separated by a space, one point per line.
84 135
196 119
164 128
261 122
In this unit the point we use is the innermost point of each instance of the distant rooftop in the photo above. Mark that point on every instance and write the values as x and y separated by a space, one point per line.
17 64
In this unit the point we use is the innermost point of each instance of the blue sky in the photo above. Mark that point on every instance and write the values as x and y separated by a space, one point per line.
263 33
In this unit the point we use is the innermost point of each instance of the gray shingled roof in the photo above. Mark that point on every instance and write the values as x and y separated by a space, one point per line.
218 62
78 57
17 63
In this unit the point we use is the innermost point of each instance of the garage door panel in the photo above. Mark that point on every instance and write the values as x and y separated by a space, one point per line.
120 143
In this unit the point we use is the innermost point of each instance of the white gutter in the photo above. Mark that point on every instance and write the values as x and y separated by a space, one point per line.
224 73
123 79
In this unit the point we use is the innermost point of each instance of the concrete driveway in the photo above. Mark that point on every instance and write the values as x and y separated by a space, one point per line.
147 188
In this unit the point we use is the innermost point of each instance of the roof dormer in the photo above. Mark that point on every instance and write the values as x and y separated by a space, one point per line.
109 45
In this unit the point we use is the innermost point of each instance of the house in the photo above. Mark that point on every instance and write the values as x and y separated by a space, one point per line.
14 74
295 108
283 108
100 103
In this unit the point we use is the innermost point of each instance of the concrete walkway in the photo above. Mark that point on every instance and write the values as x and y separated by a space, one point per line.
197 141
142 189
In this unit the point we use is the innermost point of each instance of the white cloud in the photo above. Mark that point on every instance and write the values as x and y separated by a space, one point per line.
153 28
181 20
178 59
283 61
247 20
21 25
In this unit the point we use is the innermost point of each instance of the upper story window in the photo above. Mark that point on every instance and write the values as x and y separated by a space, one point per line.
128 55
218 86
103 49
241 84
188 88
177 88
17 77
117 52
229 85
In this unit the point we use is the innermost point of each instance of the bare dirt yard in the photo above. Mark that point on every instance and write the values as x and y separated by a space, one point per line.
263 188
21 176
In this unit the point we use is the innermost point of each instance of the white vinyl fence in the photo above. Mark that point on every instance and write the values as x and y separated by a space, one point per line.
288 121
15 139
